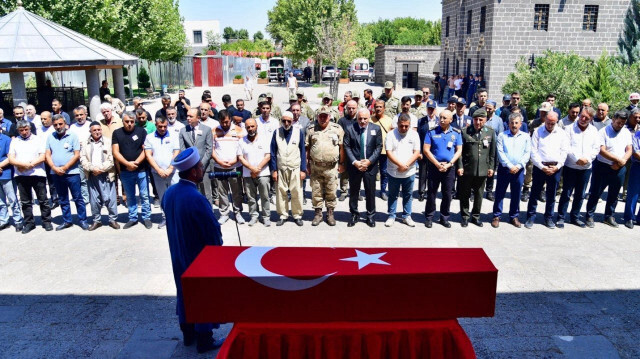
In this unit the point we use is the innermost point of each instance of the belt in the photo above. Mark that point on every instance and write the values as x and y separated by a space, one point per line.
550 163
327 164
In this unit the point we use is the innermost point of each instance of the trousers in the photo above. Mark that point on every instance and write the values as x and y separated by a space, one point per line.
289 180
102 193
254 187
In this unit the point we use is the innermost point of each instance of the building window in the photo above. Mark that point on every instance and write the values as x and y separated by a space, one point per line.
197 37
469 19
483 17
541 17
468 66
481 69
590 20
447 28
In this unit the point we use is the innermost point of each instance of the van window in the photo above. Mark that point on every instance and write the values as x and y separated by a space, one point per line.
362 66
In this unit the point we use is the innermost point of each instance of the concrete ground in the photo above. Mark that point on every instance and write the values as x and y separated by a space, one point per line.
562 293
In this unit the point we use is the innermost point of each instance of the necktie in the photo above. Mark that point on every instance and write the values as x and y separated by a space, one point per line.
193 134
362 144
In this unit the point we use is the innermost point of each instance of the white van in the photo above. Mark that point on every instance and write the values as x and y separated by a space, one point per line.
359 70
278 68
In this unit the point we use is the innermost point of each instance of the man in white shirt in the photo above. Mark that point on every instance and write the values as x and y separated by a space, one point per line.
174 126
225 156
32 116
403 149
46 125
254 156
609 167
584 146
549 146
27 154
81 128
267 124
572 116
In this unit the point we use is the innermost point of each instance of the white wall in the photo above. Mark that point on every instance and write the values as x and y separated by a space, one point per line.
202 25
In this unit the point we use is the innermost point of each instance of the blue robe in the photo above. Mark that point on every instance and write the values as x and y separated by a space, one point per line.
191 225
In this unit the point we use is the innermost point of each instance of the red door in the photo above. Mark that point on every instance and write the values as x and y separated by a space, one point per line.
214 71
197 72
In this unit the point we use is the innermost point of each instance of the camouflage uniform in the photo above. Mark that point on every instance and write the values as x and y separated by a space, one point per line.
307 111
392 104
356 95
335 115
419 109
323 149
275 109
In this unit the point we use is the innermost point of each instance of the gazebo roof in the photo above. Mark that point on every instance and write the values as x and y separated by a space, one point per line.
29 42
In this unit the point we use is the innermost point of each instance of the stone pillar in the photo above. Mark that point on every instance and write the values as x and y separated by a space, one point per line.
93 88
118 83
18 89
40 79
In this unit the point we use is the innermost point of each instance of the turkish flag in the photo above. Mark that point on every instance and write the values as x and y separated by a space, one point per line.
286 284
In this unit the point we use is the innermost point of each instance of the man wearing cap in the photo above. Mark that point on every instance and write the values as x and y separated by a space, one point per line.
551 99
325 153
191 226
549 147
258 111
425 124
275 109
392 102
609 167
476 163
198 135
460 120
506 100
182 105
442 147
515 101
362 144
419 108
288 167
327 100
306 109
634 98
355 96
495 122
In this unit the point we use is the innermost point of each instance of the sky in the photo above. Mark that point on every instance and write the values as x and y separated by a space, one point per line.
252 14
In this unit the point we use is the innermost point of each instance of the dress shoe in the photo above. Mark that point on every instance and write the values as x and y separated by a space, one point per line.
464 222
629 224
147 224
516 222
428 223
280 222
495 223
239 218
491 196
578 223
28 228
4 226
477 222
611 221
130 224
95 226
299 222
525 196
84 225
354 219
560 223
156 203
55 205
205 342
529 223
64 225
445 223
342 197
162 224
371 223
590 223
48 227
384 196
114 225
549 223
19 227
421 198
188 334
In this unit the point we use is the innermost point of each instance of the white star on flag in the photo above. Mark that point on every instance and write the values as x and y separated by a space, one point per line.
365 259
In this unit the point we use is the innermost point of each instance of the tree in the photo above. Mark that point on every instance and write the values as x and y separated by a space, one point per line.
406 31
242 34
365 47
228 33
333 39
249 46
258 36
143 79
214 40
629 40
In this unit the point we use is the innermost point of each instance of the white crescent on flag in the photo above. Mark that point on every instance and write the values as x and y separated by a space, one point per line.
249 263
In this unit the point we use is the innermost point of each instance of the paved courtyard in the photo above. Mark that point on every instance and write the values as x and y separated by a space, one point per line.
562 293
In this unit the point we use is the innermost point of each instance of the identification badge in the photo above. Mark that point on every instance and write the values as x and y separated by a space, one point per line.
294 142
449 144
167 141
198 132
135 137
66 146
485 143
437 136
373 132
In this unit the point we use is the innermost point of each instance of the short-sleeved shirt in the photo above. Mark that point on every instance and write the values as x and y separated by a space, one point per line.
62 149
443 143
182 110
635 142
175 128
253 152
226 144
149 126
614 142
26 150
82 131
402 148
130 145
414 121
5 143
324 144
162 148
108 129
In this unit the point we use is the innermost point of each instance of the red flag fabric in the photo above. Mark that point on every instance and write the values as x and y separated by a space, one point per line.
287 284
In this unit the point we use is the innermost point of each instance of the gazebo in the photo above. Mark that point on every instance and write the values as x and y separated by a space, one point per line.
30 43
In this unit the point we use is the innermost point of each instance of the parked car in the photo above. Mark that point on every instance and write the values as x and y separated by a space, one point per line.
328 72
298 74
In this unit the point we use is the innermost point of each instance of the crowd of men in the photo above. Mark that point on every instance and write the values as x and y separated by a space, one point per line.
268 156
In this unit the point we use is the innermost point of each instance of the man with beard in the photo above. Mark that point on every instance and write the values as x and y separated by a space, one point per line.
254 156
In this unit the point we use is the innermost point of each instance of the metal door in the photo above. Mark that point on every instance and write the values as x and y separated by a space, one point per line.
214 71
197 72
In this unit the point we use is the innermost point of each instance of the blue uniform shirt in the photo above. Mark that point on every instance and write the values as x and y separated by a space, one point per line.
635 142
443 143
5 126
7 171
62 149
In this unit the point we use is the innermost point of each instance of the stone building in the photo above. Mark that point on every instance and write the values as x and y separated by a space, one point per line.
489 36
407 66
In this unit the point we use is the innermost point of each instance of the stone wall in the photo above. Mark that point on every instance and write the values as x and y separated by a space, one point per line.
390 58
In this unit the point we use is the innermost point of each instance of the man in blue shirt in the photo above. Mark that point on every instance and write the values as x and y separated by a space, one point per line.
514 150
240 110
62 155
495 122
633 187
8 189
5 124
443 147
56 105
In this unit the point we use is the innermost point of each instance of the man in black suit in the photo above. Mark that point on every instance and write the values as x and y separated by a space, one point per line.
362 163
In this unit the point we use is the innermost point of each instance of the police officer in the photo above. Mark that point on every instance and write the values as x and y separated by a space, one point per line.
442 147
418 109
327 100
304 106
392 102
324 151
475 165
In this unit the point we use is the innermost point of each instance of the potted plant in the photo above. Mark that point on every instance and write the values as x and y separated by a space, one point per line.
344 77
237 79
262 78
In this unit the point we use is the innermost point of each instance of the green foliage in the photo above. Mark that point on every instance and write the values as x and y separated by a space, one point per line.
344 74
262 75
629 39
405 31
214 40
151 29
238 77
242 34
258 36
250 46
554 72
365 46
228 33
143 79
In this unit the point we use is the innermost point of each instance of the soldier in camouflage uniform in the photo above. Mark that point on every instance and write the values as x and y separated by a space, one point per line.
276 112
326 159
258 111
304 106
355 96
419 108
327 100
392 102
